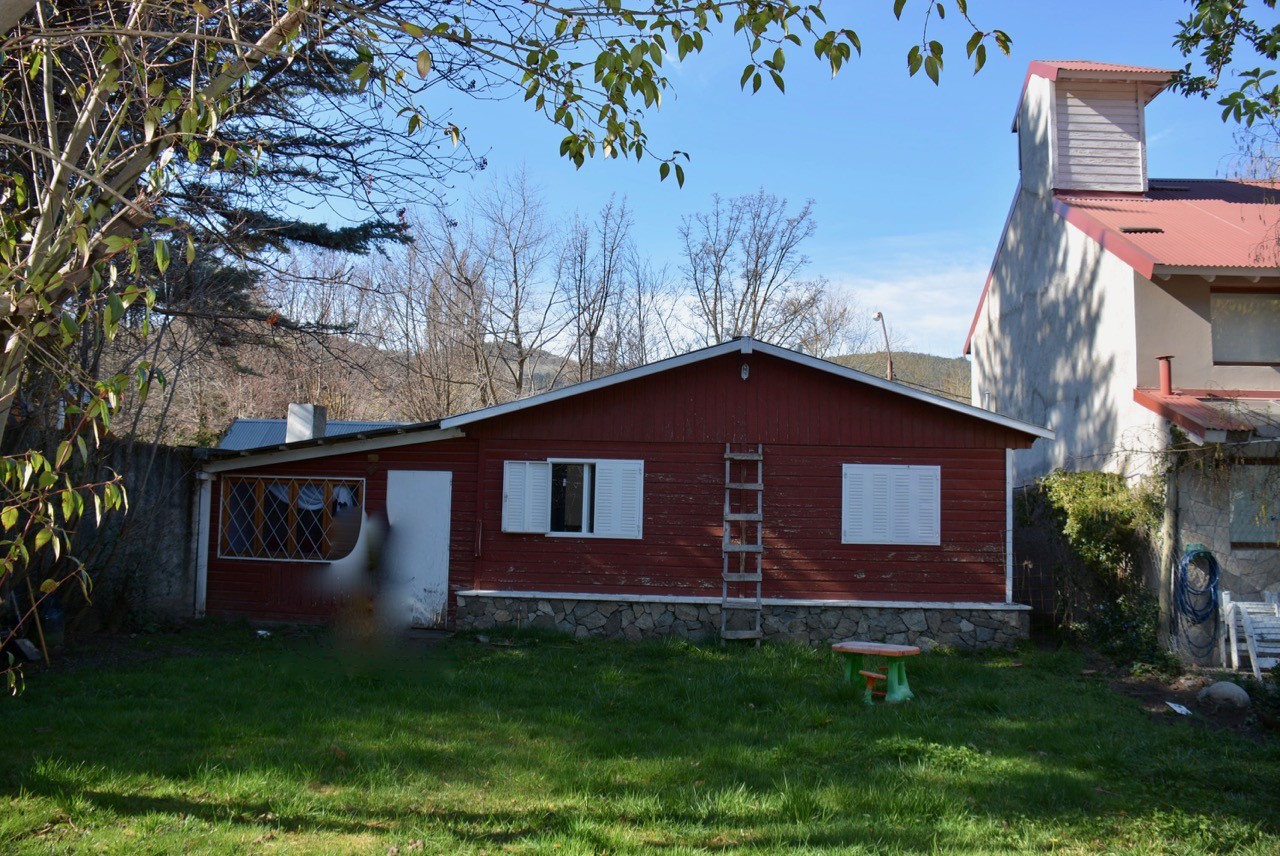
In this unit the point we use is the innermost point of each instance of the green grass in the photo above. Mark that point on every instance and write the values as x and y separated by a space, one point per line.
553 746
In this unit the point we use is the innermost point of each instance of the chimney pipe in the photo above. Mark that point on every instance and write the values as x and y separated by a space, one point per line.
1166 373
305 422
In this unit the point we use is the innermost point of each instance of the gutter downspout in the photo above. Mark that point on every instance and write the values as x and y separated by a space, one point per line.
1008 525
204 498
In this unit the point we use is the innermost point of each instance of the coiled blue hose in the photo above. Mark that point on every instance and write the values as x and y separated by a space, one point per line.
1194 605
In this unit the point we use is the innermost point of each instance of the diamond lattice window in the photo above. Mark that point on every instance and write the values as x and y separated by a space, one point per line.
288 518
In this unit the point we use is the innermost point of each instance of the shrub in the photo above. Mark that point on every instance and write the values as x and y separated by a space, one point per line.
1102 597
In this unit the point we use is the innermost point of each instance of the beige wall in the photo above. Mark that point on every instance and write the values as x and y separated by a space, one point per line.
1173 318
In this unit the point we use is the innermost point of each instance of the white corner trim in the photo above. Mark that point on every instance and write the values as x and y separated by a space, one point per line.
768 601
1008 525
203 501
331 448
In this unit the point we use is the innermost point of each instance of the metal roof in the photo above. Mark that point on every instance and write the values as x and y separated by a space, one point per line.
1182 225
258 433
1047 67
1217 416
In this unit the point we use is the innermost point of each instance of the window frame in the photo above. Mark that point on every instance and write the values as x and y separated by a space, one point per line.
592 494
588 496
1234 491
1273 293
934 539
226 483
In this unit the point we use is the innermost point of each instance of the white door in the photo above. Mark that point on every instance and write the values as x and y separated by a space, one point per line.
417 564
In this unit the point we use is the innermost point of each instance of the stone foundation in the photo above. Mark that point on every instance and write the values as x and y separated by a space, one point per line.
961 625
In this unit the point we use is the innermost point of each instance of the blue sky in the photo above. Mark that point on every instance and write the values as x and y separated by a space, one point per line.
910 182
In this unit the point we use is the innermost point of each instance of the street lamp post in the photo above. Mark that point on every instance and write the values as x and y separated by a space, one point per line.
888 355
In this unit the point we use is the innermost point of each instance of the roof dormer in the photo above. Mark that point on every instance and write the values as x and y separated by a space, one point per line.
1080 125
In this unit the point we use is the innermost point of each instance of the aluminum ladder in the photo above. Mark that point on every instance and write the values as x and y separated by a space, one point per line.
740 603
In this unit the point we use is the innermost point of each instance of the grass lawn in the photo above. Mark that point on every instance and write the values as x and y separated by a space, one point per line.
288 744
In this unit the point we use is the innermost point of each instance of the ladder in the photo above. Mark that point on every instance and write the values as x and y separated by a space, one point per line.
743 544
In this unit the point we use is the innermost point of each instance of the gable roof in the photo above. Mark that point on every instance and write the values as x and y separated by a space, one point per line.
1157 79
453 426
255 433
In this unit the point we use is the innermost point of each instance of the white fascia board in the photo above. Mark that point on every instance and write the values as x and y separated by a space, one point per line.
330 447
1166 271
716 600
745 346
740 346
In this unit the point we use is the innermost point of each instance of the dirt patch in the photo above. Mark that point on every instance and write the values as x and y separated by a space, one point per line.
1153 692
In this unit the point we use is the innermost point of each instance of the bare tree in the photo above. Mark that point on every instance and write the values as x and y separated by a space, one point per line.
592 264
743 263
524 313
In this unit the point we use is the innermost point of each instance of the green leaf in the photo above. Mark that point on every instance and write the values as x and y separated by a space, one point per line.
9 516
931 65
424 62
412 29
162 254
972 44
897 8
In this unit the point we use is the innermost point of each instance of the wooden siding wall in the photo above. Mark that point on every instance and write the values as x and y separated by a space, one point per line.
683 504
678 422
810 424
1099 139
293 591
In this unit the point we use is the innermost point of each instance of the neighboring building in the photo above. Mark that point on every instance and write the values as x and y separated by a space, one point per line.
1101 278
799 498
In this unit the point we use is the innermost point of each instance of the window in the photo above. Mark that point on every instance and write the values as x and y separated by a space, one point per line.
891 504
599 498
286 518
1246 327
1255 506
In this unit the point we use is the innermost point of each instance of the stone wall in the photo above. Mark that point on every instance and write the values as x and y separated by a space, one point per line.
1204 517
926 625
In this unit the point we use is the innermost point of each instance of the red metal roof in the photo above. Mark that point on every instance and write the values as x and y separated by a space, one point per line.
1230 414
1182 223
1050 67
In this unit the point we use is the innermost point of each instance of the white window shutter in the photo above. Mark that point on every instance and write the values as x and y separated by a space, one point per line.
619 500
526 496
890 504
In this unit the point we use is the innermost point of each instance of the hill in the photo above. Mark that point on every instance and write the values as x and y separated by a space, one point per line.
948 376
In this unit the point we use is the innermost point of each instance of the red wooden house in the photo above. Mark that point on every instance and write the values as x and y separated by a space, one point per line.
741 489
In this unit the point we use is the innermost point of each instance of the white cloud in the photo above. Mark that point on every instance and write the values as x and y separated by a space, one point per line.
927 307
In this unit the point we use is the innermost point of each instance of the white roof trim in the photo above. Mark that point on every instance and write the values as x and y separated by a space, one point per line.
326 447
1165 271
642 597
746 346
